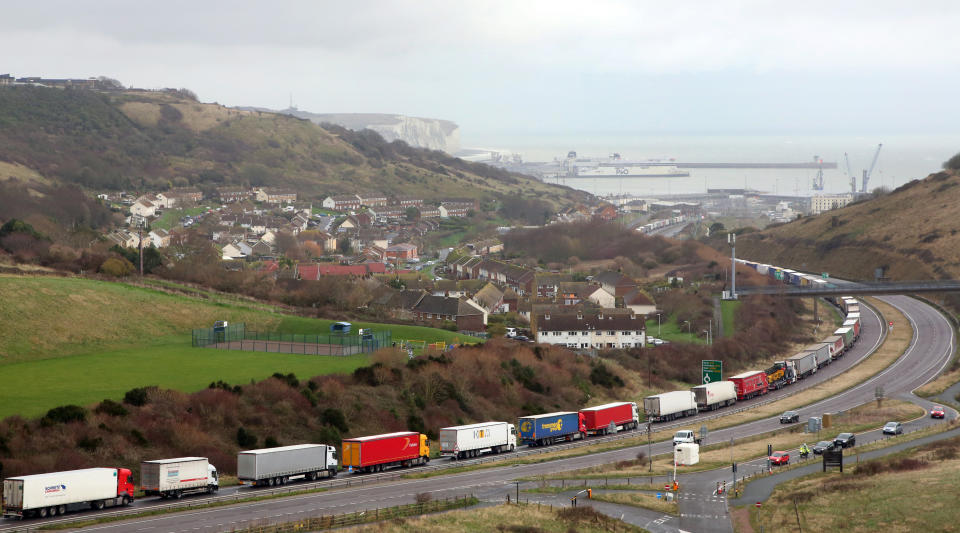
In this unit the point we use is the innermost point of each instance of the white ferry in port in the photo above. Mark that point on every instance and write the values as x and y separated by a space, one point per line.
617 167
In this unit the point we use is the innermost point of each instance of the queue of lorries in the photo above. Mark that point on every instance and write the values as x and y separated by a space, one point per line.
50 494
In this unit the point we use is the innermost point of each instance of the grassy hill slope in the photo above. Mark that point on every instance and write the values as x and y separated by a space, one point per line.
914 232
79 341
138 140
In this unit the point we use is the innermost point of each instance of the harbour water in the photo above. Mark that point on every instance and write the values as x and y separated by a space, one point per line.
902 159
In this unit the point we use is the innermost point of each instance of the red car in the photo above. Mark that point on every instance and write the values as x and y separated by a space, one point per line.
936 412
780 458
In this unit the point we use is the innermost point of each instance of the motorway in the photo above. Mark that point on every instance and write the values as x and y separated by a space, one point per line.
929 352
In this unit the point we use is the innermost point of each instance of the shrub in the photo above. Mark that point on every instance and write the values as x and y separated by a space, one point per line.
136 397
289 379
953 163
271 442
138 438
601 375
246 439
64 415
332 416
424 497
112 408
329 435
117 267
89 444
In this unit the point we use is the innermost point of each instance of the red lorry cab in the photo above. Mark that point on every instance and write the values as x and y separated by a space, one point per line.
750 384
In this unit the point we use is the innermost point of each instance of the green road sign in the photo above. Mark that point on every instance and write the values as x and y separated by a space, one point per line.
712 371
777 274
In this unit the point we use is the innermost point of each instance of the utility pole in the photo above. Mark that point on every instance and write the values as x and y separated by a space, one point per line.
732 241
649 453
140 223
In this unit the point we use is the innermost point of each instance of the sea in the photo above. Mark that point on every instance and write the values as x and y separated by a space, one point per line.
901 159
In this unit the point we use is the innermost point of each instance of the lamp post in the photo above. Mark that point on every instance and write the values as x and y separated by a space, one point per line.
658 325
687 322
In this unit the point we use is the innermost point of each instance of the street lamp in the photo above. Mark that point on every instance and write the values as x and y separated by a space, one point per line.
658 325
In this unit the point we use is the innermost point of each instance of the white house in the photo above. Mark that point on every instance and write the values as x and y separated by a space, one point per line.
599 331
231 251
143 208
159 238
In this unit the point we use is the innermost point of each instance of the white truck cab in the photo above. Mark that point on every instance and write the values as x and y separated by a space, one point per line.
685 436
332 461
213 480
512 437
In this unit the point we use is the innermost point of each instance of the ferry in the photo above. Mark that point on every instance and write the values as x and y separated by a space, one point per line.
617 167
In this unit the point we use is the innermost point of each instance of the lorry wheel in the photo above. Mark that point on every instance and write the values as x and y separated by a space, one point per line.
42 512
333 473
99 505
126 500
62 510
511 447
177 494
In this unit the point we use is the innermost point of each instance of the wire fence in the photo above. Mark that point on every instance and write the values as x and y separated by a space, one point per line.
238 337
355 518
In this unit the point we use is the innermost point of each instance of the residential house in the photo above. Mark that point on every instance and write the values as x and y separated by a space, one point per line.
548 284
143 208
341 203
160 238
269 236
600 330
275 196
327 241
511 300
429 212
245 248
407 201
308 271
639 303
402 251
232 194
486 246
300 222
231 251
124 238
455 209
435 310
261 248
489 298
388 213
615 283
372 199
183 196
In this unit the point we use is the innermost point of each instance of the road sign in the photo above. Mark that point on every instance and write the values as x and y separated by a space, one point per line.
712 371
757 504
825 275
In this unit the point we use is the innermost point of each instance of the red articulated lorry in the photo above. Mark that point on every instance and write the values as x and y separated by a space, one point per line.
376 452
750 384
604 419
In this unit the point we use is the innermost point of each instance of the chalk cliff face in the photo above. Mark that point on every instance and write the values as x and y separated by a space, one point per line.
430 133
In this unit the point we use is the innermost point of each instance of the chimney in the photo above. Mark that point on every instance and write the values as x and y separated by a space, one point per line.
632 316
579 315
546 316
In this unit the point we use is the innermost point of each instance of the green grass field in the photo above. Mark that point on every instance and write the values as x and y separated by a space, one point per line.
728 308
671 331
171 217
70 340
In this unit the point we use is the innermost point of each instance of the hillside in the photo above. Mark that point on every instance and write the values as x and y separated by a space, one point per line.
153 140
117 337
914 232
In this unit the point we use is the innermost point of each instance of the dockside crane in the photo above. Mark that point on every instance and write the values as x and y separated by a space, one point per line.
818 179
853 179
867 173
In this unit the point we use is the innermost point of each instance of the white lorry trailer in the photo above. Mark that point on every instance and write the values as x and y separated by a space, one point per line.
471 440
804 364
670 405
172 478
821 352
275 466
715 395
43 495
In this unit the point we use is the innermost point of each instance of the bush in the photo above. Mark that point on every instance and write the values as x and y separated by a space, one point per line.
289 379
64 415
271 442
136 397
246 439
424 497
138 437
89 444
112 408
117 267
601 375
332 416
953 163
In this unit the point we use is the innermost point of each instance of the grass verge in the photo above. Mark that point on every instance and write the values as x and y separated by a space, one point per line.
874 496
154 512
638 499
532 518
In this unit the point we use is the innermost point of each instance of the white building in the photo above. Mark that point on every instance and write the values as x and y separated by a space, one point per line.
825 202
601 330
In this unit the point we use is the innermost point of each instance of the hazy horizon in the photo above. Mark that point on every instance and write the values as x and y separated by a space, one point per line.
544 68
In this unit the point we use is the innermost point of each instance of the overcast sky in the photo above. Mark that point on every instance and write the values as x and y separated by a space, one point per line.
508 68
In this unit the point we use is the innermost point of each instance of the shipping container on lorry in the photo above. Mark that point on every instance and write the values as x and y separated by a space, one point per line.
836 345
847 302
376 452
853 309
275 466
604 419
821 352
711 396
541 430
847 334
55 493
670 405
750 384
804 364
471 440
854 324
172 478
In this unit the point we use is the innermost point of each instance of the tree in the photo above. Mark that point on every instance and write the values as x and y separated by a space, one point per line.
117 267
412 213
953 163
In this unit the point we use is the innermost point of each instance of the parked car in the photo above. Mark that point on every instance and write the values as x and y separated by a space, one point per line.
937 412
893 428
822 446
521 338
780 458
845 440
789 417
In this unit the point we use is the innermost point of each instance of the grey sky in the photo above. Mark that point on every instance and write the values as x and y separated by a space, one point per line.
515 68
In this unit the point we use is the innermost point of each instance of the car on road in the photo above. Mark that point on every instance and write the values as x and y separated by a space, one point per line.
789 417
845 440
893 428
937 412
780 458
822 446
